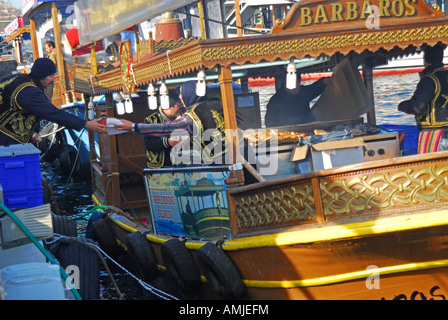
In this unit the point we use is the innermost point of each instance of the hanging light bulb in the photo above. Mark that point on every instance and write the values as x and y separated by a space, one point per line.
119 104
200 86
291 76
152 99
91 109
164 98
128 106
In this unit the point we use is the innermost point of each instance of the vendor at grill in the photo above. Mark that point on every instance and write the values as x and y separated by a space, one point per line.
292 106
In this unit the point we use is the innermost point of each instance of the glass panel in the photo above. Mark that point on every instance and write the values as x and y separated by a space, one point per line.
98 19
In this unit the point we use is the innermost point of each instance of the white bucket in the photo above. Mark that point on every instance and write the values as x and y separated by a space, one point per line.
32 281
22 254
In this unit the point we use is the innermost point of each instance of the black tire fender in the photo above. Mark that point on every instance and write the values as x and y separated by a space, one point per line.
220 271
64 225
181 267
142 256
105 237
75 252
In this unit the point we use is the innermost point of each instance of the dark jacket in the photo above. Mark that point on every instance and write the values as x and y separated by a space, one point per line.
286 108
157 148
429 101
27 94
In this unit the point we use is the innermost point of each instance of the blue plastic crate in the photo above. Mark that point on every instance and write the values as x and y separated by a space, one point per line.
408 135
20 175
23 199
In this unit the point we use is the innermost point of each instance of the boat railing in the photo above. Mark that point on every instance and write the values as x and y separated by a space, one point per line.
364 190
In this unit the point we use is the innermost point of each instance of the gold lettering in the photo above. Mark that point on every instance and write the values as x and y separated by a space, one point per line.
352 11
336 12
384 8
411 8
397 8
305 13
320 14
366 10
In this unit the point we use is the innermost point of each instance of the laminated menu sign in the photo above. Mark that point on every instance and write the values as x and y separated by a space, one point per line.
189 204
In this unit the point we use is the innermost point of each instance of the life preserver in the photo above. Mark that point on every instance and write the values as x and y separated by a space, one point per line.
75 255
220 271
181 267
141 255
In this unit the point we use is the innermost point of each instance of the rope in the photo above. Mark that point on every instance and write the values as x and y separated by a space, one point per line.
52 132
157 292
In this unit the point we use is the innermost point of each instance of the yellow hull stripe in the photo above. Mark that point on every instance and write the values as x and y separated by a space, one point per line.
364 274
372 227
403 222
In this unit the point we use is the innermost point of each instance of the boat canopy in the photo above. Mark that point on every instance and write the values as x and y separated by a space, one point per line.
102 18
313 30
29 9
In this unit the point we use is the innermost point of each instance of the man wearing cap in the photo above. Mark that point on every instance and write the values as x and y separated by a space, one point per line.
23 103
429 103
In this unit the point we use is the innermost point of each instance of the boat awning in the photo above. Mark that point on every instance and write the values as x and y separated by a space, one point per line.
25 31
102 18
39 9
312 29
16 28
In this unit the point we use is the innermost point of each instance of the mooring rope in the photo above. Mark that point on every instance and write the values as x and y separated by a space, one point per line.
157 292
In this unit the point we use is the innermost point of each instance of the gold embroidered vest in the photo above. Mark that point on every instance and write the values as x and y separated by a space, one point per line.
436 115
208 115
156 159
16 122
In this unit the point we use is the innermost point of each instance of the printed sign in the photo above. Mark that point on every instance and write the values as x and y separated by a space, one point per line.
189 204
14 25
27 5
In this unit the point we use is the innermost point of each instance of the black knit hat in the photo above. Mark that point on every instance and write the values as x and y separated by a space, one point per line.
433 55
42 68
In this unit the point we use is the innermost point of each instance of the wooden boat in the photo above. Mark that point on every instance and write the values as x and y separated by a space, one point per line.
376 229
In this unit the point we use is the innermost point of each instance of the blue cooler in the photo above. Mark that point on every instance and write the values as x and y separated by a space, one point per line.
20 176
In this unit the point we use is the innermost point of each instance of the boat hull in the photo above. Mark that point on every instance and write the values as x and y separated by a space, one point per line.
391 258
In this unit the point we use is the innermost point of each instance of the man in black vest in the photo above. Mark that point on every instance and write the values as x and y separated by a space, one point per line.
201 118
429 103
158 148
23 103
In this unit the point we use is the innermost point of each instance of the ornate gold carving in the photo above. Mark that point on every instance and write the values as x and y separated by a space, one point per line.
277 207
307 45
127 71
176 65
385 190
164 45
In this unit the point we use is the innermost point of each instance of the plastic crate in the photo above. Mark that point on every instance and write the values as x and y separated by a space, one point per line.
408 134
20 176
